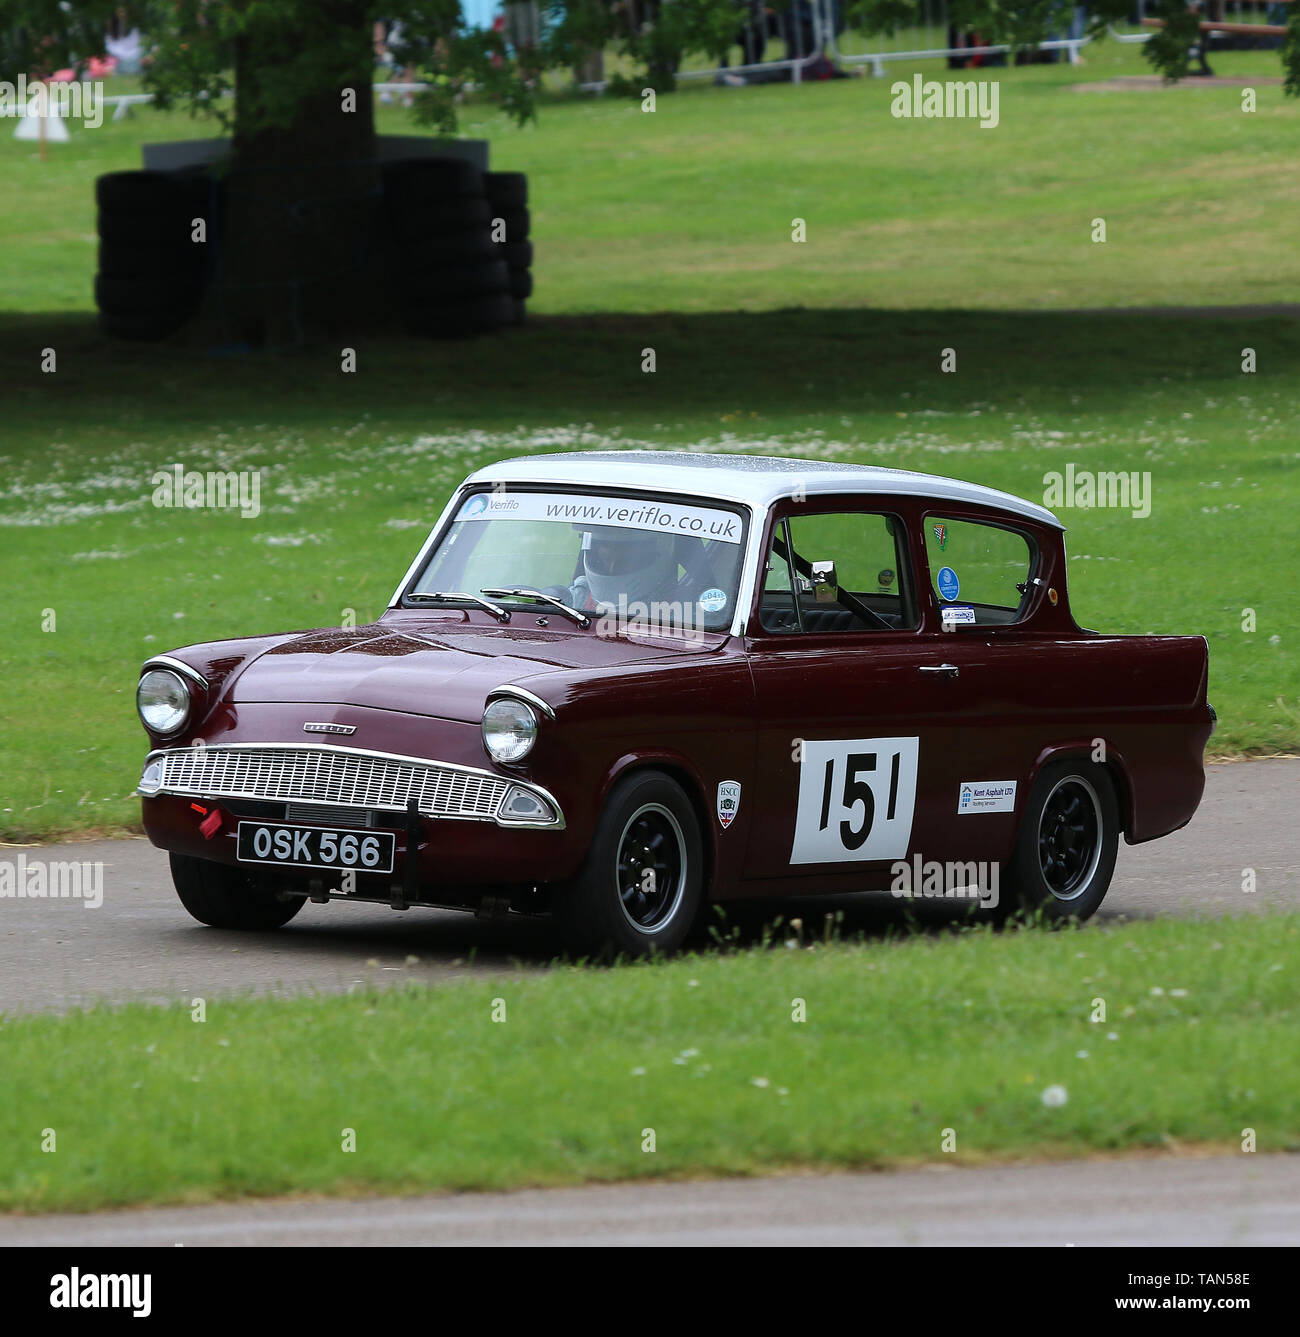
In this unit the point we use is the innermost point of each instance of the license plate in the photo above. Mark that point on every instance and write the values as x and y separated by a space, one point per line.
315 847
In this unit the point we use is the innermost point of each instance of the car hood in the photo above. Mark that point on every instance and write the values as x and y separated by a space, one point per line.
445 673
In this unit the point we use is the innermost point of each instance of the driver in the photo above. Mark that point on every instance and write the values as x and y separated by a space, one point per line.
624 564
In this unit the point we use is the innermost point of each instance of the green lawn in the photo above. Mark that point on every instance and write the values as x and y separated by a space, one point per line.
922 235
943 1049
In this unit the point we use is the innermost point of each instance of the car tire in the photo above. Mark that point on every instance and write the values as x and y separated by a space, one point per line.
452 283
122 260
517 254
470 246
506 190
223 896
143 326
133 227
609 909
521 283
518 224
429 221
1065 851
126 297
413 182
457 320
139 191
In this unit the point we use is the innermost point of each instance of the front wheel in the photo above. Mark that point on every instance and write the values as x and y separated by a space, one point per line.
643 880
1069 835
223 896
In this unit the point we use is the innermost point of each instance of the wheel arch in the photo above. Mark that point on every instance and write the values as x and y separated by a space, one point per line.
1114 766
679 769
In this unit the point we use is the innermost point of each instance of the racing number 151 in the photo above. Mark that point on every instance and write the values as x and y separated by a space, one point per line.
856 799
858 791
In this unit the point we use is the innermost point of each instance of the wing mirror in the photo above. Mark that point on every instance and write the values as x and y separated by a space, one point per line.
825 582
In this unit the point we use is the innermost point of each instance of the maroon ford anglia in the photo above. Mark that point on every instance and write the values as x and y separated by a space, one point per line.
615 686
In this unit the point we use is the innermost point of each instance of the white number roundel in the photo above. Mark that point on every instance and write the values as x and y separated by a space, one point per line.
856 800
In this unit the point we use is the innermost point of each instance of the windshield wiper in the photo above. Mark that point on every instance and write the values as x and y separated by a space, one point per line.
443 596
558 604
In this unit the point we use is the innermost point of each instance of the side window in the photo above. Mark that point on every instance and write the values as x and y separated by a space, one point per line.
980 571
873 589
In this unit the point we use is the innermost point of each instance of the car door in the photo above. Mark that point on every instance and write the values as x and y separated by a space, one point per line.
854 716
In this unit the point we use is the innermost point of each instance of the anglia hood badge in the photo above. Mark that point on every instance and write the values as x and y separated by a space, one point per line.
329 728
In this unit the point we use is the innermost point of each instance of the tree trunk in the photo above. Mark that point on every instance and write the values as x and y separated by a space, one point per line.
302 254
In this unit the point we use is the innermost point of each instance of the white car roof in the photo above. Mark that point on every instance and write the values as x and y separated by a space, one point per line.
756 480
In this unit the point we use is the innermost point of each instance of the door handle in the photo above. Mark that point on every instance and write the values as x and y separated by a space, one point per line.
948 670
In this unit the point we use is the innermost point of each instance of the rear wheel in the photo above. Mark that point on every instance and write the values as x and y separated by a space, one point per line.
641 886
1069 836
228 897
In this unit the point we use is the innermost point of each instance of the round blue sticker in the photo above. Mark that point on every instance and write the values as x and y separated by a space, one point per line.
949 585
713 601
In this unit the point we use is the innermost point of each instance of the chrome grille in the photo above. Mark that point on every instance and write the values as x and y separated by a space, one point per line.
314 814
340 776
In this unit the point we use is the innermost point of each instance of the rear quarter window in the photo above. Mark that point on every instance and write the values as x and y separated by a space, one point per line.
978 566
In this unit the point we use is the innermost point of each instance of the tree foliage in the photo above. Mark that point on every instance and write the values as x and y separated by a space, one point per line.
314 45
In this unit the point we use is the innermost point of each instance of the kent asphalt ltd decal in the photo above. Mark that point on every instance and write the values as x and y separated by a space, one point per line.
986 796
856 799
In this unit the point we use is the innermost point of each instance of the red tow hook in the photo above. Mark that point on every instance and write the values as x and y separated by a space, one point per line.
211 824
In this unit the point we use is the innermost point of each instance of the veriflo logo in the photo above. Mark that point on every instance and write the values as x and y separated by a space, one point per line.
95 1290
728 802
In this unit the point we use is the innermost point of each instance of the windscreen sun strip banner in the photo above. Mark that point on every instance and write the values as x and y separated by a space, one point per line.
661 517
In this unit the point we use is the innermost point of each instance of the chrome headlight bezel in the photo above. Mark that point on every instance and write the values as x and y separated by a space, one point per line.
167 686
509 730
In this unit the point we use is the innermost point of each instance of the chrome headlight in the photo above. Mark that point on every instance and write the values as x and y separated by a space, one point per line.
163 701
509 729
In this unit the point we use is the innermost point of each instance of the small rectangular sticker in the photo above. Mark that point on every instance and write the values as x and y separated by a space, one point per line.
986 796
958 615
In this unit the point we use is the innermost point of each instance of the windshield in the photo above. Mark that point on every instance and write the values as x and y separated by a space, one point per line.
660 564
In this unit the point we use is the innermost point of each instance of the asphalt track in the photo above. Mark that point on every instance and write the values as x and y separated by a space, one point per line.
139 944
1223 1200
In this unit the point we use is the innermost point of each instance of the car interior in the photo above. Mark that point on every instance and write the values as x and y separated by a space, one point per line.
873 588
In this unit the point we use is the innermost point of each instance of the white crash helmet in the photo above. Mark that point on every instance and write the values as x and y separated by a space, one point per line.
633 564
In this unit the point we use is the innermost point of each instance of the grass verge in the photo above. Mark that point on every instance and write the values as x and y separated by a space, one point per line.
902 1040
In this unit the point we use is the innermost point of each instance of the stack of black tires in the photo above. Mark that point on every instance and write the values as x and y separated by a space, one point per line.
457 259
507 193
449 273
152 270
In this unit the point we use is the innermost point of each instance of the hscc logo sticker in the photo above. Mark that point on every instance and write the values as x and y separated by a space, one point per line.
728 801
856 800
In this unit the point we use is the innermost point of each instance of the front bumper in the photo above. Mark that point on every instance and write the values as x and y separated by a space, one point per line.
455 835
